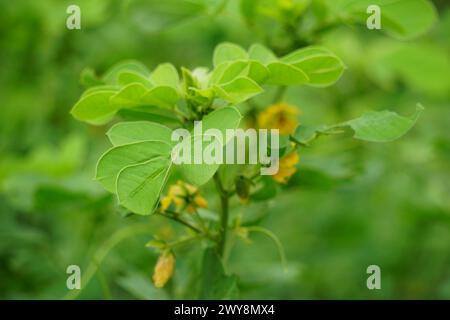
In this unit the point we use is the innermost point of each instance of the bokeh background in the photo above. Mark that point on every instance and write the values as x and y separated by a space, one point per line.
350 204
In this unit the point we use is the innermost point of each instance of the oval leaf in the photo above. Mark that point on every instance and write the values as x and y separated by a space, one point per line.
131 132
115 159
383 126
95 108
139 185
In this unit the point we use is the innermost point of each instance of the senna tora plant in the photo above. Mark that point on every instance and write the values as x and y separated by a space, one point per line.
138 166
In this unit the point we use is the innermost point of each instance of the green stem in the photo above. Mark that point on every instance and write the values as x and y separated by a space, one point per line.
224 204
182 241
173 217
274 238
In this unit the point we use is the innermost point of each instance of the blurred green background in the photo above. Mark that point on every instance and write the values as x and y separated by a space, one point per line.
350 204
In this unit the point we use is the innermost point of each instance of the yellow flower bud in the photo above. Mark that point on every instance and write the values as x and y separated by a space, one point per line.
163 269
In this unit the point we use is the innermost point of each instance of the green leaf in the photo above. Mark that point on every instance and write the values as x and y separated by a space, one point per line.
284 74
322 67
117 158
383 126
139 185
220 119
162 97
215 283
130 96
165 75
238 90
149 114
262 54
127 77
226 52
229 71
131 132
112 75
95 108
99 89
257 71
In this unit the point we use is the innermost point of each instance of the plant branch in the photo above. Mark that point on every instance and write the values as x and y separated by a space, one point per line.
171 215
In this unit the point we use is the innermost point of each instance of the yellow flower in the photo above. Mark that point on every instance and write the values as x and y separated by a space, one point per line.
280 116
184 196
163 269
287 167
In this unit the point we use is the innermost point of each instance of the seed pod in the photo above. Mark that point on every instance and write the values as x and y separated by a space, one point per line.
242 188
163 269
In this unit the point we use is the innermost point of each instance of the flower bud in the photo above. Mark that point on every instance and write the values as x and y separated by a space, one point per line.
163 269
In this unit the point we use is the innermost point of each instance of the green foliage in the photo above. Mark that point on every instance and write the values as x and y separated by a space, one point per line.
349 203
138 165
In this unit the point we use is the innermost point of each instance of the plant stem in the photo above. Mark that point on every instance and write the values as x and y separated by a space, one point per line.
171 216
224 197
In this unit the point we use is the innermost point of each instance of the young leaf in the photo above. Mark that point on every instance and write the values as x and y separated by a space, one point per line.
238 90
130 96
162 97
165 75
131 132
112 75
322 67
226 52
257 71
262 54
116 158
383 126
284 74
127 77
229 71
95 108
139 185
